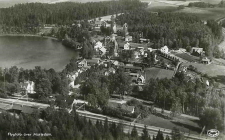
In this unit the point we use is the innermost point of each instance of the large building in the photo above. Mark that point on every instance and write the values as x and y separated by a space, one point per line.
27 87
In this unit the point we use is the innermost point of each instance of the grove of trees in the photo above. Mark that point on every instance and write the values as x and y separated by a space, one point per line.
181 95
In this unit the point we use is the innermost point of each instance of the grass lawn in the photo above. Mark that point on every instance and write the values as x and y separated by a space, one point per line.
172 6
205 13
185 125
211 69
187 57
158 73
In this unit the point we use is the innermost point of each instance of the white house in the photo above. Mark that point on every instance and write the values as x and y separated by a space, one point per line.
165 50
150 49
98 45
114 62
103 51
206 60
126 46
207 82
128 38
72 78
136 54
28 87
141 79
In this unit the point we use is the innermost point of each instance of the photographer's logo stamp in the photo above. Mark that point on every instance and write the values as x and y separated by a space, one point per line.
213 133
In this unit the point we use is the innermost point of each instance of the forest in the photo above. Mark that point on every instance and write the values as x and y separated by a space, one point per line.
28 18
176 30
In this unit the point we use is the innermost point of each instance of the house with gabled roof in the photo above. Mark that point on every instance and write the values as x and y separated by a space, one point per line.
205 60
27 87
126 46
165 50
88 62
197 51
127 108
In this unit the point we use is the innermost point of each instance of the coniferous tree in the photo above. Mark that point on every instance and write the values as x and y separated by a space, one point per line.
176 135
167 137
106 125
134 133
159 136
145 135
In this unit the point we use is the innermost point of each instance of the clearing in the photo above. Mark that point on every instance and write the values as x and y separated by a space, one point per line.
158 73
183 124
212 70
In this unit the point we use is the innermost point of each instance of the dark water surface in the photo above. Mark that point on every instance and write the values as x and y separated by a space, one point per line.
30 51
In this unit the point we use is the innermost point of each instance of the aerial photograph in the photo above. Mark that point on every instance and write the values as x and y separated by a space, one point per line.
112 69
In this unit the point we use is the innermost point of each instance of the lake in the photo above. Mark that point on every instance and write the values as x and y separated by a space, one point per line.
30 51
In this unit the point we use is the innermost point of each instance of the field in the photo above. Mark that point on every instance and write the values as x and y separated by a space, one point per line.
205 13
158 73
187 57
172 6
178 2
184 124
211 69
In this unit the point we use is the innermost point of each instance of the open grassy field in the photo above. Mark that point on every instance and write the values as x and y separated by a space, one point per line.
186 1
187 57
211 69
158 73
172 6
183 124
205 13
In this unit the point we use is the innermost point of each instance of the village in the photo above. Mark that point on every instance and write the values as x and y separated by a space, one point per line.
138 60
117 70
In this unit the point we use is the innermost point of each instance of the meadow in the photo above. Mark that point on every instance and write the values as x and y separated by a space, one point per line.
185 125
174 6
158 73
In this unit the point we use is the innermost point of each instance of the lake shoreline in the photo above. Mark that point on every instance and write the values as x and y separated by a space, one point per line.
53 38
29 50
